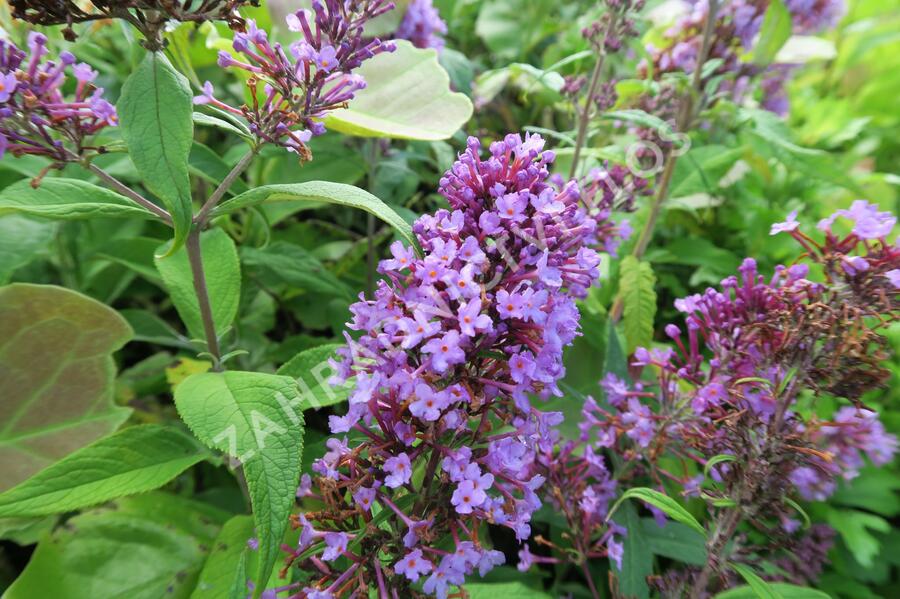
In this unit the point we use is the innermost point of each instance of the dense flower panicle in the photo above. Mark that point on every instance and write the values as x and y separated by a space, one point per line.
35 117
737 25
293 89
733 383
422 25
440 431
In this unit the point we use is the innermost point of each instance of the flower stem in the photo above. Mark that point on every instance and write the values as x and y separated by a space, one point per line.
584 116
725 526
195 259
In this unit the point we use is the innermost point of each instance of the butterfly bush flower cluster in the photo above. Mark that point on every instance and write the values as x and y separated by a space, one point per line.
35 117
441 437
293 88
422 25
734 32
735 391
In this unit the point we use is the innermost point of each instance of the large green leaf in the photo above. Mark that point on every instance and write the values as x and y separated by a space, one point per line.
222 576
636 286
320 192
142 547
155 112
675 540
637 559
407 96
256 418
68 199
222 271
134 460
21 240
311 370
784 590
56 376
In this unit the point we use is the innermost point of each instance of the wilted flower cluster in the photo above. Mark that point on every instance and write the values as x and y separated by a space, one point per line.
422 25
147 15
35 117
734 395
440 437
291 91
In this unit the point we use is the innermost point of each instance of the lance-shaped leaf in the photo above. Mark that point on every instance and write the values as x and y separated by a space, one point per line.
222 271
311 370
256 418
638 300
68 199
156 116
319 192
56 376
22 239
134 460
407 96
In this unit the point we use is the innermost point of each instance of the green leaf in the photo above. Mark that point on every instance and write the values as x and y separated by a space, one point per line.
134 460
22 239
675 541
295 266
701 169
637 559
256 418
760 588
223 281
321 192
672 508
774 32
407 96
638 117
143 547
854 527
784 590
636 285
150 328
205 120
494 590
68 199
155 112
135 253
717 459
311 370
222 572
56 376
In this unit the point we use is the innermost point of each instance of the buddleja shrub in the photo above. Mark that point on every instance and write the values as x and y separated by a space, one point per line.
454 443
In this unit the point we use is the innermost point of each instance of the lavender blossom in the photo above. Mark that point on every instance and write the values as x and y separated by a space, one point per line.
453 348
293 91
35 117
422 25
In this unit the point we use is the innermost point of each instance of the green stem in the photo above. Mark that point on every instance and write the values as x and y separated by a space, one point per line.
129 193
195 258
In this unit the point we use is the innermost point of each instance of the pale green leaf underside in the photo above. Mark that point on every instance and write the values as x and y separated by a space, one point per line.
636 284
134 460
56 376
407 96
256 418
